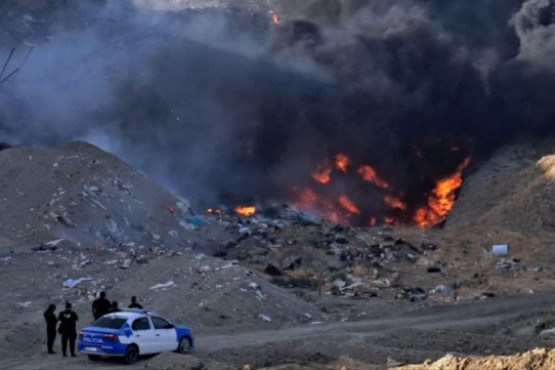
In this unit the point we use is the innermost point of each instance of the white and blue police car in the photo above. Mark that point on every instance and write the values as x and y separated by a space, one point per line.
131 333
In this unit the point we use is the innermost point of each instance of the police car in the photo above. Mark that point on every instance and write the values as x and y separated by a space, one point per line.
131 333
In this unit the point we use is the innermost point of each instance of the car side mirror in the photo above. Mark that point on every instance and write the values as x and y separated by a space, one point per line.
169 326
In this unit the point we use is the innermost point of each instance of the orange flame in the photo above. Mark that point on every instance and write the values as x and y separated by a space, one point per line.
348 205
275 18
342 161
214 211
369 174
322 176
245 210
395 203
441 200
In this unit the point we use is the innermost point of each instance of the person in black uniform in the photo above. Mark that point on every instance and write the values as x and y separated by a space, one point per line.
114 307
134 303
100 306
51 321
68 328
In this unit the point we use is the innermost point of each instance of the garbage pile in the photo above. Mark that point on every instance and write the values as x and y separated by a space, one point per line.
298 250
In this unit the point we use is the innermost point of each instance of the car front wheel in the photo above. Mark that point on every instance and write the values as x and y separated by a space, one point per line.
131 355
184 346
94 357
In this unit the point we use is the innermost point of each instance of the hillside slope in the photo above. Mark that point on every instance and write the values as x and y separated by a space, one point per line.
514 192
84 196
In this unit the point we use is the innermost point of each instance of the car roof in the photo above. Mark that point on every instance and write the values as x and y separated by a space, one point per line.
130 314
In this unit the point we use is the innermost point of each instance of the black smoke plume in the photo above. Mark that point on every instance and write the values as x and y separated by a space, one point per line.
224 106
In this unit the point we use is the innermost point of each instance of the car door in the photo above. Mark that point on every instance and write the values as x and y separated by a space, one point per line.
165 334
143 335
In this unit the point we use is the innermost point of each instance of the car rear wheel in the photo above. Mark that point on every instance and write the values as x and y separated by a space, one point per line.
184 346
131 355
94 357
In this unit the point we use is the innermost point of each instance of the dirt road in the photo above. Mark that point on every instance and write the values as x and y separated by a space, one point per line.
487 321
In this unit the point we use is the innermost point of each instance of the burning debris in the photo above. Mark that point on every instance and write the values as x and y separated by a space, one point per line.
296 250
327 196
245 210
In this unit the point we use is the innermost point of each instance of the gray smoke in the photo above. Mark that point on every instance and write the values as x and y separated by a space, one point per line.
223 106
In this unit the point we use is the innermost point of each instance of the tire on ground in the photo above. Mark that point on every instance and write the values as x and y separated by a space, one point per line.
184 347
131 354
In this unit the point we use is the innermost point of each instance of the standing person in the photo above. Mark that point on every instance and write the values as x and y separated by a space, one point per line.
100 306
114 307
51 321
134 303
68 328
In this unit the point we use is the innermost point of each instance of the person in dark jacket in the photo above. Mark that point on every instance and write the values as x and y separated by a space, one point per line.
135 304
68 328
114 307
100 306
51 321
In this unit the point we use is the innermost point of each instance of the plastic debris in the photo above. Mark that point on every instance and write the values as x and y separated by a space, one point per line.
196 221
23 304
265 318
500 249
162 285
72 283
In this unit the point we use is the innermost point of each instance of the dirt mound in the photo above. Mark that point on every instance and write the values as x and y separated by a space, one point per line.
81 195
539 359
513 192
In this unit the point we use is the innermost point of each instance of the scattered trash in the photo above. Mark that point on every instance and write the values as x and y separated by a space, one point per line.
230 264
62 219
548 333
196 221
413 294
126 264
500 249
429 247
205 268
506 265
265 318
54 242
24 304
72 283
306 219
244 230
258 291
443 289
44 248
162 285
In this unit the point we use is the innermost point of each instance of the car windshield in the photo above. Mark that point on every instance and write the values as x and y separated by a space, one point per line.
109 322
